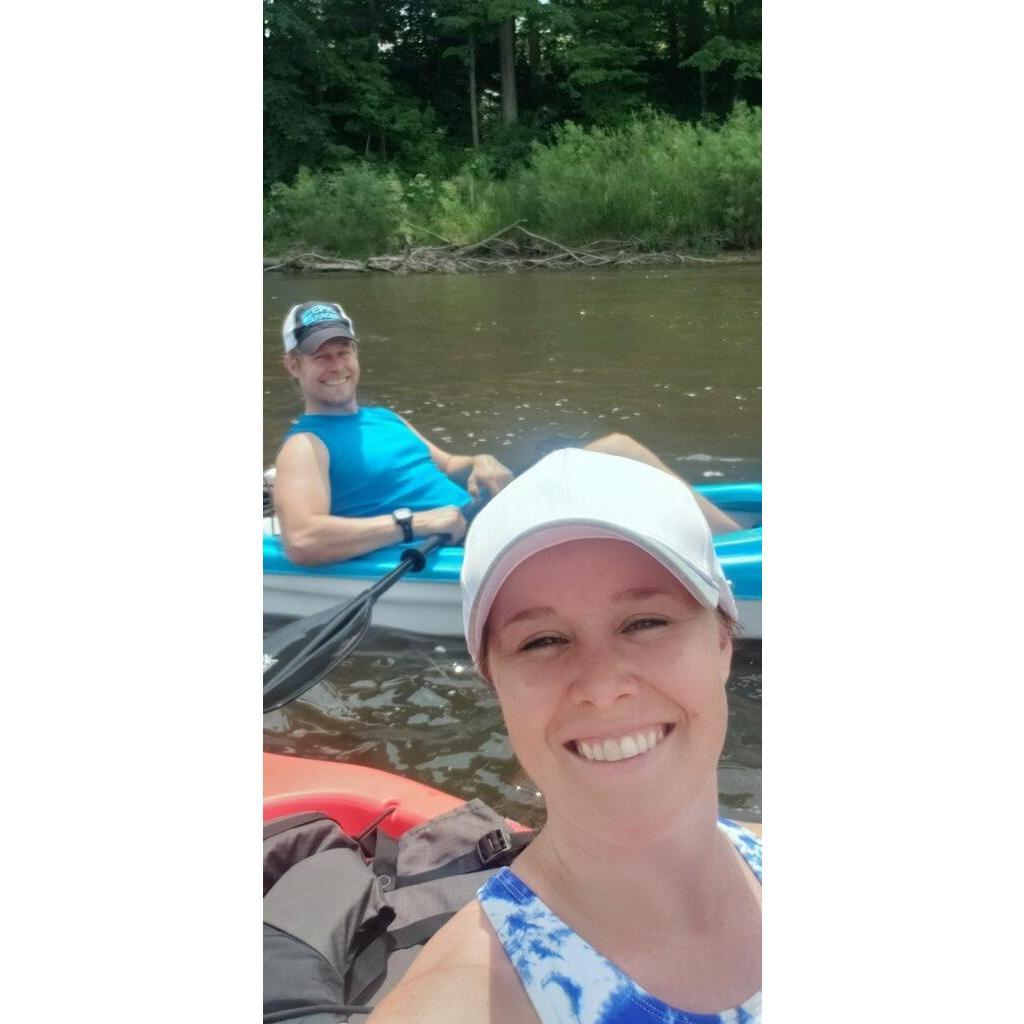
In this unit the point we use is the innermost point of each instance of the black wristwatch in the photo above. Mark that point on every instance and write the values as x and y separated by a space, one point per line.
403 516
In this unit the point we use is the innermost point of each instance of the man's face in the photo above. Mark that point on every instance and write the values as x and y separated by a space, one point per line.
329 377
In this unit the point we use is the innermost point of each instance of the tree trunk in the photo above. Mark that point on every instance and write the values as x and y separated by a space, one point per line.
373 36
674 71
507 40
533 60
472 91
693 30
693 40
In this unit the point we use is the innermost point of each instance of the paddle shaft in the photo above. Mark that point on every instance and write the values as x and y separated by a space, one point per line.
413 559
353 616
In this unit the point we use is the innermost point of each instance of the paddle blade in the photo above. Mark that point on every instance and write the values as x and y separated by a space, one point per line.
290 677
301 653
285 643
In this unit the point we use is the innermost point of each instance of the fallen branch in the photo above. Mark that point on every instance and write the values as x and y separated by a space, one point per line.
433 234
497 234
512 248
548 241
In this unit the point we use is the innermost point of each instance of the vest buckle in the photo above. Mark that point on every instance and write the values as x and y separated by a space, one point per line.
493 845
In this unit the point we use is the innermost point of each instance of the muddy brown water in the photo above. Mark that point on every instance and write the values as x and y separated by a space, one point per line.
505 363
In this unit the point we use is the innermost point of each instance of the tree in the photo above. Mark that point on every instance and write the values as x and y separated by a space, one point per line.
602 46
509 104
419 84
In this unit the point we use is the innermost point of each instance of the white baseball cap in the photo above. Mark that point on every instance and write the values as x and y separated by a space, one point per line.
573 494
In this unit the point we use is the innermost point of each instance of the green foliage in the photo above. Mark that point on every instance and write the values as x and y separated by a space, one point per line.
654 180
744 54
387 81
509 146
367 128
600 71
355 211
459 210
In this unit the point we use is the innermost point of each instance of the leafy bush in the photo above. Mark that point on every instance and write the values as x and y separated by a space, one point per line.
656 181
355 211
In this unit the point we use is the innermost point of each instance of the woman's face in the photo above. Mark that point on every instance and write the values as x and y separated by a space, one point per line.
611 678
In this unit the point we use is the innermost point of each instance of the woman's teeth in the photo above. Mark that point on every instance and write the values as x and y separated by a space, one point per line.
623 747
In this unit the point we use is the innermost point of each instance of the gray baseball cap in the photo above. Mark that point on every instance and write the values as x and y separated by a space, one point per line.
308 325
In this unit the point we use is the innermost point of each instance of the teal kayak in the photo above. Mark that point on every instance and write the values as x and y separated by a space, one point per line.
429 602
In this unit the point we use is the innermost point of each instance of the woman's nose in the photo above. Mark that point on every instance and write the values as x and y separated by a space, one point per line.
601 680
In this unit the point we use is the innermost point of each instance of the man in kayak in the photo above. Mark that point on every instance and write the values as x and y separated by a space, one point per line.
353 478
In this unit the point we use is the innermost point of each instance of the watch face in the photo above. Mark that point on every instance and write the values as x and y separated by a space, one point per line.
402 515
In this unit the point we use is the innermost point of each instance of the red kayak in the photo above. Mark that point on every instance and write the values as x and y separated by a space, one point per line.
351 795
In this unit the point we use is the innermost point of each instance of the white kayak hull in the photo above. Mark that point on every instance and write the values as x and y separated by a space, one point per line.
416 606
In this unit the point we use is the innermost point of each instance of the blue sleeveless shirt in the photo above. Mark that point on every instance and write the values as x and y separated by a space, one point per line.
377 464
567 980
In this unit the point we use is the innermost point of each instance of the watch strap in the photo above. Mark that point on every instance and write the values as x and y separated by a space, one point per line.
405 522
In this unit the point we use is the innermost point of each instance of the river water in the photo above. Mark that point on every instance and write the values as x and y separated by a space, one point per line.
505 363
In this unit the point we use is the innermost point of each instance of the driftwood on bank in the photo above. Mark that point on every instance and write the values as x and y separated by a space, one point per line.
512 248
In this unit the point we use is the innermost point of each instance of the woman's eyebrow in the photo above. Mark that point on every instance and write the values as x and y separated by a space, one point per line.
640 594
527 613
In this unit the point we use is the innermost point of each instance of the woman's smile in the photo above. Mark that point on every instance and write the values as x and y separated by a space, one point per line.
621 747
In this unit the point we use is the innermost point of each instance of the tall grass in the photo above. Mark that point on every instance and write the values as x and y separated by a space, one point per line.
655 181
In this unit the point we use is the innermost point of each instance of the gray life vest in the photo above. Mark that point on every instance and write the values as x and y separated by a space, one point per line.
344 916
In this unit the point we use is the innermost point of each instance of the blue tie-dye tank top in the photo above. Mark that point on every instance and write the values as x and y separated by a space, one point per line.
567 980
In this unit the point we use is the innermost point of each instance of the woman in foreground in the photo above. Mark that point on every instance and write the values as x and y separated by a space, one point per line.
596 608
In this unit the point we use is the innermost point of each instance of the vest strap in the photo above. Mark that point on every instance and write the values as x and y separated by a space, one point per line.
497 848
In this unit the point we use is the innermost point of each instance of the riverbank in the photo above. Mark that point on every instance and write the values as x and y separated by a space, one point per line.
646 191
514 248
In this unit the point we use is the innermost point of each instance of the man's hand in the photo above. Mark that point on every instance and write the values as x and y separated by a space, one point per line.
487 473
446 519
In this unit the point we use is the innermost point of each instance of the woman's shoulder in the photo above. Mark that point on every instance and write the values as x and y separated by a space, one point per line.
461 977
746 840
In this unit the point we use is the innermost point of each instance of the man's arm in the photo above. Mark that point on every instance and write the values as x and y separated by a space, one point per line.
312 536
471 471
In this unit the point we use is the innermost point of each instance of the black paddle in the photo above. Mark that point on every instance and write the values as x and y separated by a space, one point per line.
298 655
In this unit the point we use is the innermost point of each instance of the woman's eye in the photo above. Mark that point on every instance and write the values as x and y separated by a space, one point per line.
647 623
541 641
